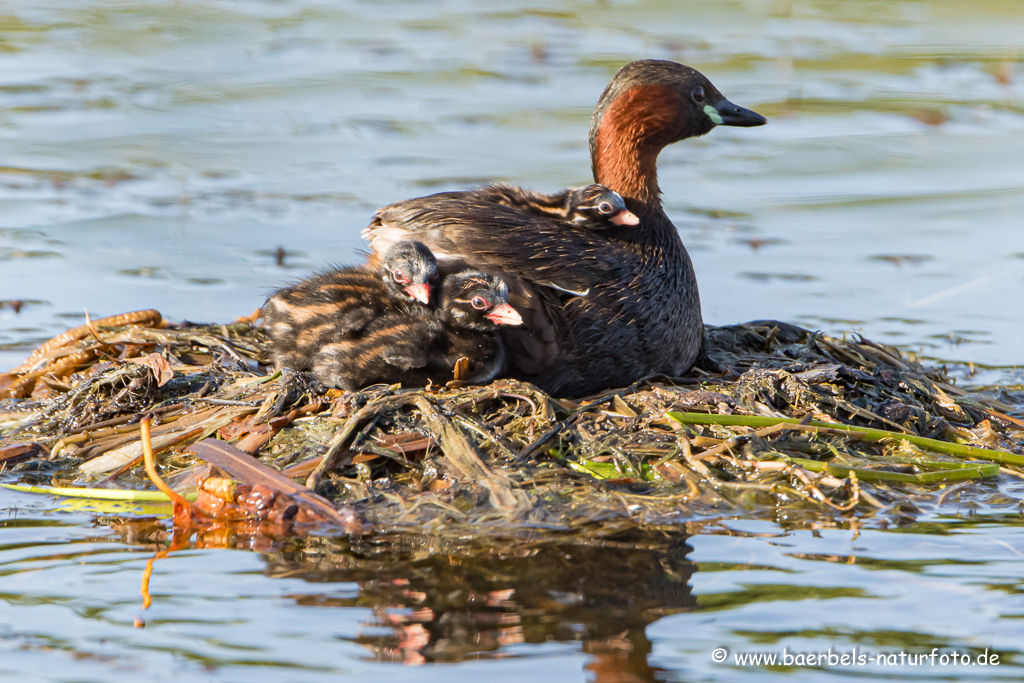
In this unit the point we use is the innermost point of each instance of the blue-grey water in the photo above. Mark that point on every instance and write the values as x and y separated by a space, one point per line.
156 154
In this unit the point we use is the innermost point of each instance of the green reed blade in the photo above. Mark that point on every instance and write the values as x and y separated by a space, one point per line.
127 495
867 433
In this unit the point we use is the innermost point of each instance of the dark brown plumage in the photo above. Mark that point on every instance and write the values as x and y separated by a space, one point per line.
641 311
451 222
339 304
415 350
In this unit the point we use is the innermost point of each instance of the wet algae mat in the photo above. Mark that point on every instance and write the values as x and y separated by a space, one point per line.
783 423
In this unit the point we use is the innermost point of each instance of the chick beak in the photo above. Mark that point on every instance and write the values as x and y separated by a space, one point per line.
420 292
625 217
504 315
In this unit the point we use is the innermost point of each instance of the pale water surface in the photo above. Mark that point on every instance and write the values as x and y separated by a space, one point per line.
157 154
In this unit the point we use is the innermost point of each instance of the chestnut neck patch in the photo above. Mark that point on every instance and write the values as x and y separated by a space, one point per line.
637 125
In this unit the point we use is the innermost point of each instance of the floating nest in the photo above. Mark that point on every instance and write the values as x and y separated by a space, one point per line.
783 423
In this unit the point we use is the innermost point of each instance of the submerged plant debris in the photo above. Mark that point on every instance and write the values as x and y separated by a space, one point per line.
789 424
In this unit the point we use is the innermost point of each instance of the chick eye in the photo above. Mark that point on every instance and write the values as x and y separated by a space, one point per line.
479 303
698 95
399 276
604 207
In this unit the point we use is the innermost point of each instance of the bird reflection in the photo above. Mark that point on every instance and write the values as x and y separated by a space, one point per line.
441 601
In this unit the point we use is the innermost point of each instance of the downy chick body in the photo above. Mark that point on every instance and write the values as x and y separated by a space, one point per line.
415 350
339 304
594 206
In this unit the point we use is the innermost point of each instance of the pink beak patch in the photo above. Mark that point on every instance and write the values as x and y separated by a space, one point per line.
419 292
625 217
504 315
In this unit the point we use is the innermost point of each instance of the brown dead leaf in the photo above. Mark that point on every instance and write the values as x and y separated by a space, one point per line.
252 472
302 469
254 440
20 452
235 429
158 364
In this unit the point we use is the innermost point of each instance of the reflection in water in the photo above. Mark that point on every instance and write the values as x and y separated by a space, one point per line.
436 601
620 608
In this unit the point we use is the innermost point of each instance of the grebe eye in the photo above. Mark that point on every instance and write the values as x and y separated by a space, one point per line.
399 276
479 303
604 207
698 95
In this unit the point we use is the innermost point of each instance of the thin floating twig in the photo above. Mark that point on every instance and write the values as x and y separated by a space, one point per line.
227 402
147 451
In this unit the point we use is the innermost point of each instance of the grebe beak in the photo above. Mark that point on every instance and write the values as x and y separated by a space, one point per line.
725 113
504 315
625 218
420 292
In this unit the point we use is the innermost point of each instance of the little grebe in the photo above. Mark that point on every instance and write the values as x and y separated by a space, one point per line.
638 309
415 350
338 304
